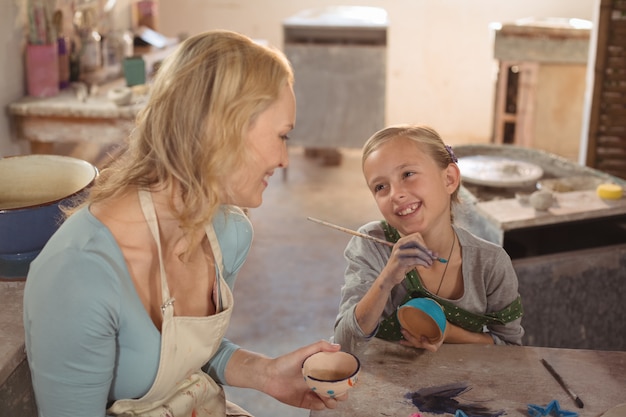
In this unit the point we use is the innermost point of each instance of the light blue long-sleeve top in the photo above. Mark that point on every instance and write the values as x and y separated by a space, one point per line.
89 339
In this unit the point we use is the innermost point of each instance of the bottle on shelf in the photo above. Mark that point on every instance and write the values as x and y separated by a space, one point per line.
90 46
63 50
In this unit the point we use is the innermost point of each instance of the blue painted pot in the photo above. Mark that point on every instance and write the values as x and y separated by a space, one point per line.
32 188
423 317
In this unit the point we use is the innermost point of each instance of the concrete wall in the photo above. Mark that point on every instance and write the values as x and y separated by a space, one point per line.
575 299
440 70
440 53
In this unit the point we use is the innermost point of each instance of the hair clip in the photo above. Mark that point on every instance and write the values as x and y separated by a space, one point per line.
451 153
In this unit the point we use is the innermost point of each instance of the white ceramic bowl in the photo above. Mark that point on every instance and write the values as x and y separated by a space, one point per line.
121 96
331 374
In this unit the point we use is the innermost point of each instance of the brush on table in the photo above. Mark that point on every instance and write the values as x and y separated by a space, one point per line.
562 383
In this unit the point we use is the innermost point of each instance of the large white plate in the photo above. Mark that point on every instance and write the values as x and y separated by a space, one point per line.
496 171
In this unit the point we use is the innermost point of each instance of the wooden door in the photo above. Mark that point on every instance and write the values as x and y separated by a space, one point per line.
607 122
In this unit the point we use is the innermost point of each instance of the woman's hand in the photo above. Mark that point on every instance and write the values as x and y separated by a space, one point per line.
280 377
286 383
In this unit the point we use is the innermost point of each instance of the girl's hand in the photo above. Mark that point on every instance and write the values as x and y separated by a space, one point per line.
422 342
286 383
408 253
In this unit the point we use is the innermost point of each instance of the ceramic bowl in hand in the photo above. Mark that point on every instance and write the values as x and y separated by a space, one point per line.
423 317
331 374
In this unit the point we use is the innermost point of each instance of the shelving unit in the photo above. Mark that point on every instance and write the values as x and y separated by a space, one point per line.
541 85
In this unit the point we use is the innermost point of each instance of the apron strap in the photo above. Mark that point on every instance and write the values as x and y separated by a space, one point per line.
219 264
147 206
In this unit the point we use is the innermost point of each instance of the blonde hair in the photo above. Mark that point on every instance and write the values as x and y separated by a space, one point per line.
425 137
191 133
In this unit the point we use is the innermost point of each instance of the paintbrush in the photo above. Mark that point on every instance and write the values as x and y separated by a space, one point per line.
363 235
562 383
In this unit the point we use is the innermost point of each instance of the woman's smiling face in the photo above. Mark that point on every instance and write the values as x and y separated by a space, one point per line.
266 140
408 186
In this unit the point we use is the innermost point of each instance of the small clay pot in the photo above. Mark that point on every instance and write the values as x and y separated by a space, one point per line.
423 317
331 374
121 96
541 200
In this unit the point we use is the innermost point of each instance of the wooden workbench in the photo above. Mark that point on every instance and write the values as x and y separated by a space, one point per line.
16 393
499 378
511 214
70 118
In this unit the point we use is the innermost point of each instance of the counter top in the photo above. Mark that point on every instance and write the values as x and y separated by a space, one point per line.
69 104
556 28
74 102
501 379
505 212
549 42
73 116
11 327
510 214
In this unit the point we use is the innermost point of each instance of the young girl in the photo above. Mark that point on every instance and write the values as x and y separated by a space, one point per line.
414 179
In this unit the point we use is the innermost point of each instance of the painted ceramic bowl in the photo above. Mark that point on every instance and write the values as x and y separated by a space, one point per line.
31 190
423 317
331 374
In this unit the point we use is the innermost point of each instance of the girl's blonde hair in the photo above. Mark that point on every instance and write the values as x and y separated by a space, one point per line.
425 137
191 133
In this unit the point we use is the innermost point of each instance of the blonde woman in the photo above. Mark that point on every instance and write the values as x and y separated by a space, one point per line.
126 307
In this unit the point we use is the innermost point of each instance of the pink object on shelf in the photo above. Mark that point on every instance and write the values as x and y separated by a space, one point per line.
42 70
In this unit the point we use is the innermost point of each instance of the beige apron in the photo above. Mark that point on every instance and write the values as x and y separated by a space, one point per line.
187 343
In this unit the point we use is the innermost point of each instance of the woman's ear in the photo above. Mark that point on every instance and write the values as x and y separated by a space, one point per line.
453 177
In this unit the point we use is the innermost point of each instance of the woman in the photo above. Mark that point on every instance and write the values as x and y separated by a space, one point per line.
126 307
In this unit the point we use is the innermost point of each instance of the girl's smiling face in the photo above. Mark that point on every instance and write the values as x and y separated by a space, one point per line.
412 192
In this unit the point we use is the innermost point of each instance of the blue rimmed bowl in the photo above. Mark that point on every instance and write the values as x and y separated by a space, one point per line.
423 317
32 189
